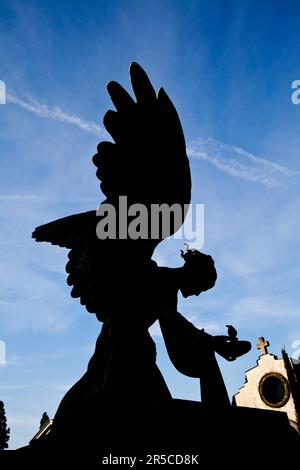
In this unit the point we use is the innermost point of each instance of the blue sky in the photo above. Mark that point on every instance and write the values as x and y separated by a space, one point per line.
228 67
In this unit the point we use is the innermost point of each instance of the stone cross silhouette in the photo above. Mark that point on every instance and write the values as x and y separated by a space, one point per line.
262 345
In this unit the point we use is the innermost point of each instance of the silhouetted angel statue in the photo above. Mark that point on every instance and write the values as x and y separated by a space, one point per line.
114 275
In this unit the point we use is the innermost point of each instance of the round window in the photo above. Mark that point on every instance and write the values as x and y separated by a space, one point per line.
274 389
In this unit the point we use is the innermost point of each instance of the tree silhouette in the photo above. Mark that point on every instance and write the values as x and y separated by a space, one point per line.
44 419
4 430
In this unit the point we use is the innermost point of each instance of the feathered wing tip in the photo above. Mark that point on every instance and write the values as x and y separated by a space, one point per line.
77 233
68 232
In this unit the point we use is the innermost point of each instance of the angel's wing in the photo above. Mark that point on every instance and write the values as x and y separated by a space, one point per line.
77 233
147 163
68 232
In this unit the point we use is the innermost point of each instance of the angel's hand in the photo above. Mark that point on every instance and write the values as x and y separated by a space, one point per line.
229 349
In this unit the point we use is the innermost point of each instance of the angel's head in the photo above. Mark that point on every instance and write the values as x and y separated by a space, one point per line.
198 273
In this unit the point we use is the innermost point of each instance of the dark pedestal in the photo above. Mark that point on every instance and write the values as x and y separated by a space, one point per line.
229 438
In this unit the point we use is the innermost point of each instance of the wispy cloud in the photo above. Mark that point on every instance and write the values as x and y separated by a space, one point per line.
12 387
56 113
32 294
209 326
32 198
229 159
59 387
20 197
261 309
24 421
239 163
